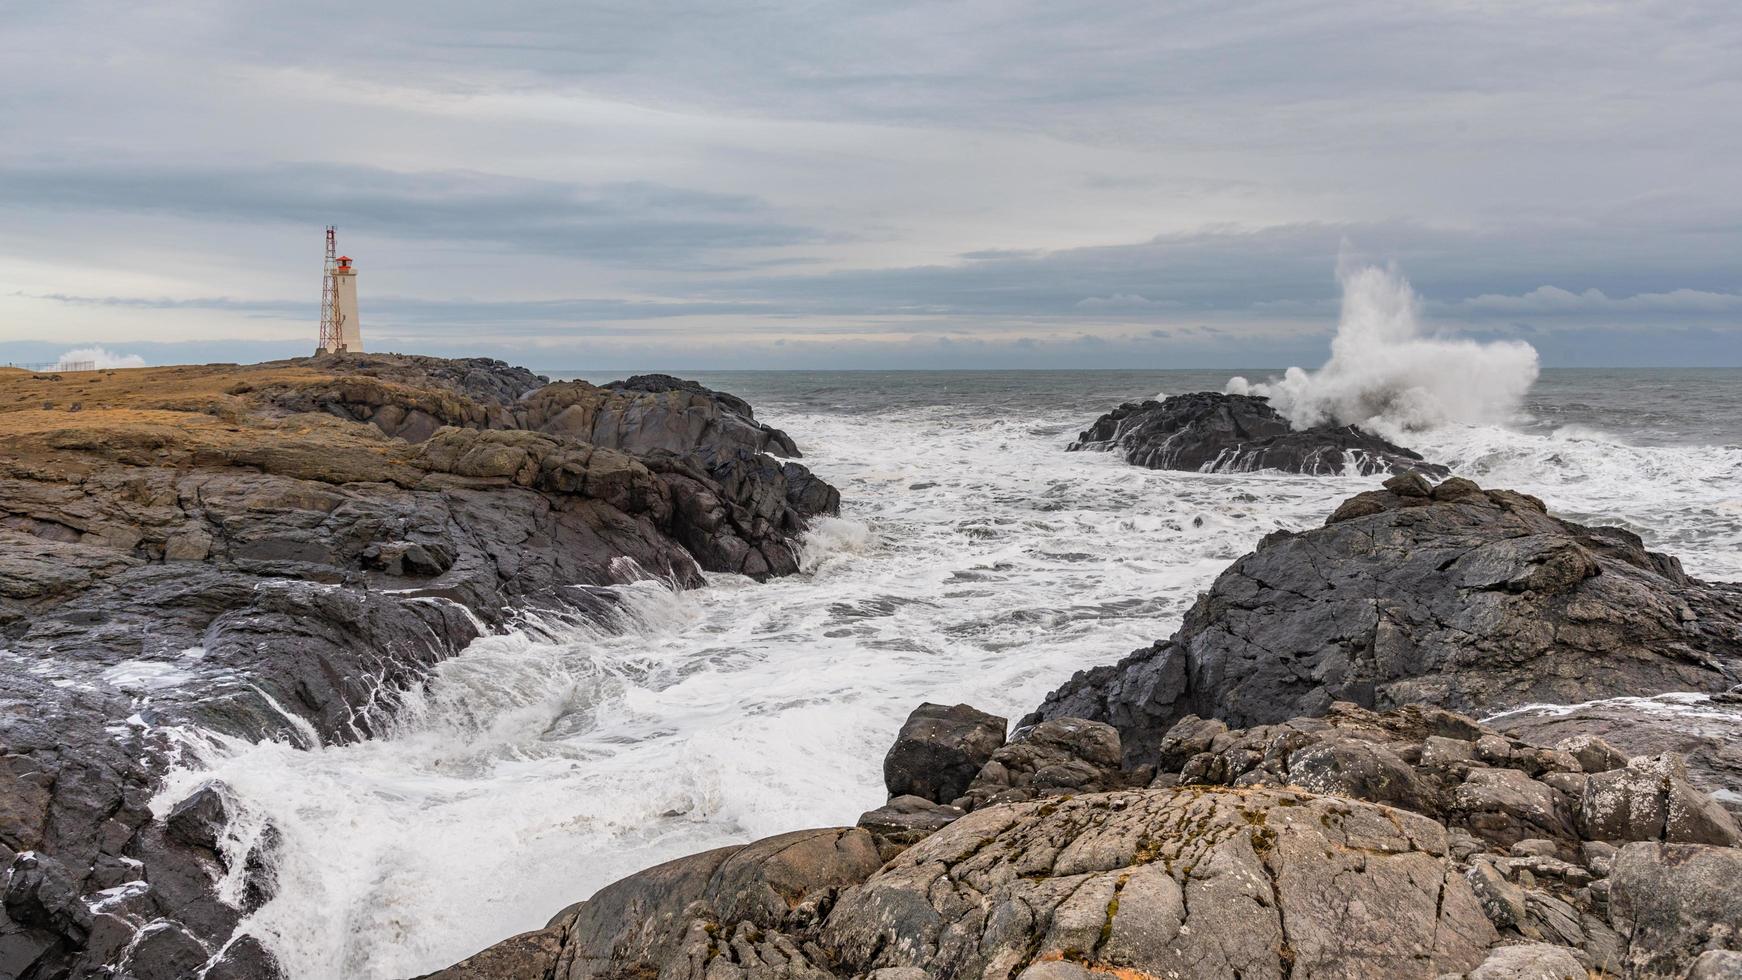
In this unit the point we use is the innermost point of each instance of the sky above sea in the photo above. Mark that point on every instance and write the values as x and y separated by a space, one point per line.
983 183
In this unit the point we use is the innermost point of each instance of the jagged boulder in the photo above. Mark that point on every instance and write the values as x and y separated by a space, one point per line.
1705 731
1530 961
1212 432
939 751
1448 595
721 910
1673 902
906 820
1651 799
1062 755
652 413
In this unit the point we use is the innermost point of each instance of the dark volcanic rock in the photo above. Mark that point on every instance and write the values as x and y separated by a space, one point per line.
1220 433
939 751
733 417
280 550
1447 595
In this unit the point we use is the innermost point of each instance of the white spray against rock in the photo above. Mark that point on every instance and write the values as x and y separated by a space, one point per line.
1385 375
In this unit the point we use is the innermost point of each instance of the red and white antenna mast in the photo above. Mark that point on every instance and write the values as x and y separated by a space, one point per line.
332 320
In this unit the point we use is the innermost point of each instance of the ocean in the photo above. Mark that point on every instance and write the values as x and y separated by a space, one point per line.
974 561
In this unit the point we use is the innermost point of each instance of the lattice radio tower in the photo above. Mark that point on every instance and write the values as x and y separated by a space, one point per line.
332 320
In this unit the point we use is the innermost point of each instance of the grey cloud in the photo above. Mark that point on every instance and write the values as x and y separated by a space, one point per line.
1123 301
572 315
1553 300
1028 63
643 223
1278 272
1551 170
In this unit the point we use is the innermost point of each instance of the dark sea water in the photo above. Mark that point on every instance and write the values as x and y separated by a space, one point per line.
1643 406
974 560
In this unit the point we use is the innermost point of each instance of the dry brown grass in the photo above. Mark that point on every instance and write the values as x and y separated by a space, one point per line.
178 417
183 389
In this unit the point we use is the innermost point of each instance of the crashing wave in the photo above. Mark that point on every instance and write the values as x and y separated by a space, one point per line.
1384 374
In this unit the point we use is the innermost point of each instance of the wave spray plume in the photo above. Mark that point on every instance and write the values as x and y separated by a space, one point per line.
1385 375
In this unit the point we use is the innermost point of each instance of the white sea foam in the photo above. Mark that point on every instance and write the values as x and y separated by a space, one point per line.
147 675
1686 500
975 562
1386 374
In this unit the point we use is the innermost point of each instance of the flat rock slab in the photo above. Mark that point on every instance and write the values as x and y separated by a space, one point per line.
1190 882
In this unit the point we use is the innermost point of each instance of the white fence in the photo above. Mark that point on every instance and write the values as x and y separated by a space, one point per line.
57 366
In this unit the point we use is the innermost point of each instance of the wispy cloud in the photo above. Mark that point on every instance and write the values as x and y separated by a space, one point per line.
1553 300
637 222
888 183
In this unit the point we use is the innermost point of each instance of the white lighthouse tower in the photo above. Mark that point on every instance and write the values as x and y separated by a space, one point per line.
341 332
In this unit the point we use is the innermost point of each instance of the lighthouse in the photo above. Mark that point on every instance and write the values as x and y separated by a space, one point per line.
341 333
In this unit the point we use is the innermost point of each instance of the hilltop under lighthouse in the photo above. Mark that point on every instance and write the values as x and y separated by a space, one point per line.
341 333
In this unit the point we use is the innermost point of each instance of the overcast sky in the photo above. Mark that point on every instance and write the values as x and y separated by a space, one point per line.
729 183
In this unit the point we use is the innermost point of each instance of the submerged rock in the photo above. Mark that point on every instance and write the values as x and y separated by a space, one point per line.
1210 432
1449 595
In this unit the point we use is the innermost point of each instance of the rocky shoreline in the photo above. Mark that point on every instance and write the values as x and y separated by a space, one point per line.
1280 790
1446 734
278 551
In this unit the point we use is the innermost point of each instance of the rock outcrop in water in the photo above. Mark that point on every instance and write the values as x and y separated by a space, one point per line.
278 550
1410 843
1450 595
1211 432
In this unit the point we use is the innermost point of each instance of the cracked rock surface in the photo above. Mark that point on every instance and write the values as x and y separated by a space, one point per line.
1282 790
1179 882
